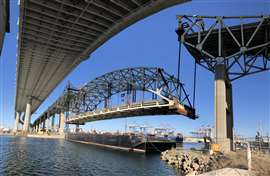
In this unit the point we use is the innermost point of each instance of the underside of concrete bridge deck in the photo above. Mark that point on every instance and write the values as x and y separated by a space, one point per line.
57 35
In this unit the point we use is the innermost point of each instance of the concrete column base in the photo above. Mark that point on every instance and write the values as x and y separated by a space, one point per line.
17 122
77 128
27 118
52 123
225 144
23 133
62 123
39 127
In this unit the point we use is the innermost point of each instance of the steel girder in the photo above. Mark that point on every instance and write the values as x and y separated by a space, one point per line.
141 78
241 43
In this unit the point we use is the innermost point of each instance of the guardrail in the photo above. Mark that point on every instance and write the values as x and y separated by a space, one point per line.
119 109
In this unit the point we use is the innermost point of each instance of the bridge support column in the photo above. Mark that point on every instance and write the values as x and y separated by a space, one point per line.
27 117
77 129
48 122
39 126
16 128
52 123
61 123
36 128
43 125
223 109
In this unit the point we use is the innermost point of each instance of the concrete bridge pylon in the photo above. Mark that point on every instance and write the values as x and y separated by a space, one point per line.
223 109
62 123
17 120
27 117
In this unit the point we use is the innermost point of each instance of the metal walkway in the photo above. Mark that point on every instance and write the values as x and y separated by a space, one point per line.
137 109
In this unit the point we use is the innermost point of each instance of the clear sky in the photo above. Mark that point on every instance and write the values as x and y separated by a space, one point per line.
153 42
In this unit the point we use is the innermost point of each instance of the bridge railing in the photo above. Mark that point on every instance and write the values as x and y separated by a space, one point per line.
121 108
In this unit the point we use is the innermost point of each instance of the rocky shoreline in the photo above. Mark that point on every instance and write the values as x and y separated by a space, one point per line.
191 162
195 162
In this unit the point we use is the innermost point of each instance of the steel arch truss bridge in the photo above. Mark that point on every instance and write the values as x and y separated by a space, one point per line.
125 93
241 43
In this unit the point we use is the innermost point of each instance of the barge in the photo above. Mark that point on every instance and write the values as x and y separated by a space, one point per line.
143 143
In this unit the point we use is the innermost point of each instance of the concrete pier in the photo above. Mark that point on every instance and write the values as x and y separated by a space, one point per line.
48 122
27 117
52 123
36 128
223 109
77 128
17 119
61 123
43 125
39 126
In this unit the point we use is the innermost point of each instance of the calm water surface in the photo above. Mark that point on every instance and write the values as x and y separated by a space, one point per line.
31 156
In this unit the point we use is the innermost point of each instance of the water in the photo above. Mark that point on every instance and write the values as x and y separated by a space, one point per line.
31 156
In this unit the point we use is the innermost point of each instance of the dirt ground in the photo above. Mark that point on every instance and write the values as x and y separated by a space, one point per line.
197 162
260 162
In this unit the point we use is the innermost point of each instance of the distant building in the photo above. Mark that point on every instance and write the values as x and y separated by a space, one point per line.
6 130
4 21
203 131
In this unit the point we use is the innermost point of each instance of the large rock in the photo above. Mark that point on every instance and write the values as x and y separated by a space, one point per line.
228 172
190 162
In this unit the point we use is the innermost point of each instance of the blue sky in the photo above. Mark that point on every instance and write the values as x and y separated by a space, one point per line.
153 42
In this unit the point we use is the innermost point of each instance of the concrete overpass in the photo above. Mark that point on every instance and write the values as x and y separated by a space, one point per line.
4 21
57 35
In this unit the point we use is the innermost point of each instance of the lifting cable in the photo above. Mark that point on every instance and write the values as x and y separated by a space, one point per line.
194 82
180 31
178 71
178 74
